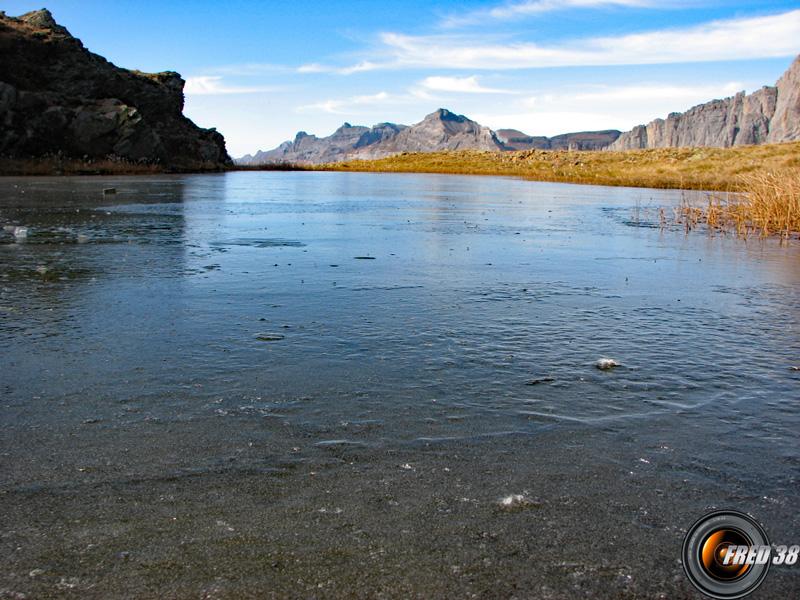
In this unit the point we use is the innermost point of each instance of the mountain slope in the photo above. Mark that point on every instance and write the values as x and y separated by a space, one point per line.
770 115
56 97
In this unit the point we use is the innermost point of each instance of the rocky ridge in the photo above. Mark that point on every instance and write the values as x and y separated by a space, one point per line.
58 98
767 116
440 130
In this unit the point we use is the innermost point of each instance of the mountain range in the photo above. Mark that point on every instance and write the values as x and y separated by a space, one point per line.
769 115
440 130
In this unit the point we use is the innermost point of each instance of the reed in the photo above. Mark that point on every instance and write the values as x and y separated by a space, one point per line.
767 204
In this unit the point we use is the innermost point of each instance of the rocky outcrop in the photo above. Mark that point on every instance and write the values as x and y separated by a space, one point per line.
584 140
56 97
770 115
785 123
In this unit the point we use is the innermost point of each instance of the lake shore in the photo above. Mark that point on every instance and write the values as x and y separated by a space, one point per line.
664 168
768 176
719 169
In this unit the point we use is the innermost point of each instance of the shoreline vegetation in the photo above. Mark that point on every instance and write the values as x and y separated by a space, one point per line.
707 169
759 185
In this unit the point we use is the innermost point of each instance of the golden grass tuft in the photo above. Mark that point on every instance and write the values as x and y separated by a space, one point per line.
768 204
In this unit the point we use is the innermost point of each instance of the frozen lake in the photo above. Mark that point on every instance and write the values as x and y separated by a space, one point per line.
321 384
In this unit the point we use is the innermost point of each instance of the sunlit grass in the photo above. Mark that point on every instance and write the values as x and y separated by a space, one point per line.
768 203
678 168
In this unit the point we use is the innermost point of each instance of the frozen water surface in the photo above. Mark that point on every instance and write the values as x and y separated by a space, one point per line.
206 390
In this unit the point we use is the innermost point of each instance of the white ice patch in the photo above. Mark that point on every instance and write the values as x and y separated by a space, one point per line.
604 364
515 501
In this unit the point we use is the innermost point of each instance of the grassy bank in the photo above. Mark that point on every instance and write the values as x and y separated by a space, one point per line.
679 168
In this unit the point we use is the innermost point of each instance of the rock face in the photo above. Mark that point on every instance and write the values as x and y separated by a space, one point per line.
770 115
57 97
785 123
584 140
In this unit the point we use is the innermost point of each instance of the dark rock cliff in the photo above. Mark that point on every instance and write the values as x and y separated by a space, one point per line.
56 97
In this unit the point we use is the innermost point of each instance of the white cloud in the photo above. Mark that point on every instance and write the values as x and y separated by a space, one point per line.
207 85
347 105
526 8
360 67
465 85
733 39
656 92
313 68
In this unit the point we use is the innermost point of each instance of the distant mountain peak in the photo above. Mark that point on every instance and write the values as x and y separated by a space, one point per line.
442 114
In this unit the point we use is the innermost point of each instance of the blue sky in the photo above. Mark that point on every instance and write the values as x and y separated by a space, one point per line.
261 71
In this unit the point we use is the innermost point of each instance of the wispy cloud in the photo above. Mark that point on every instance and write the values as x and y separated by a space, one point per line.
677 93
364 65
732 39
526 8
347 105
209 85
313 68
464 85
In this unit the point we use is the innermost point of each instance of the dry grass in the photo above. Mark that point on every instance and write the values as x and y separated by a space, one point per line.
768 204
679 168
